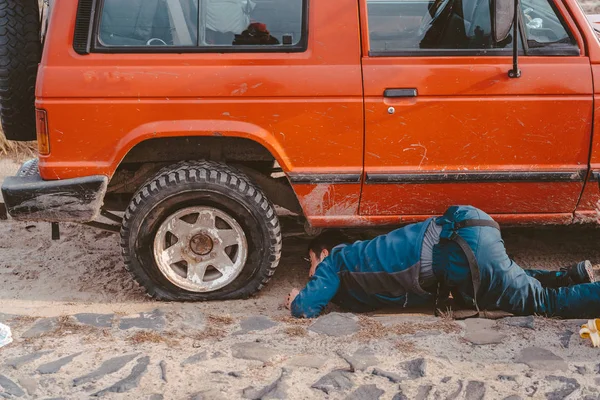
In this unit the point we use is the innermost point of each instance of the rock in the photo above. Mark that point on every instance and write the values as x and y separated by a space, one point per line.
129 382
163 370
581 370
256 323
20 361
362 359
96 320
153 321
394 378
475 390
252 351
55 366
192 321
5 318
392 320
107 367
235 374
423 392
521 322
366 392
541 359
446 379
400 396
306 361
335 380
8 386
156 396
513 397
512 378
29 384
481 332
274 390
41 327
335 324
565 338
415 368
195 359
568 386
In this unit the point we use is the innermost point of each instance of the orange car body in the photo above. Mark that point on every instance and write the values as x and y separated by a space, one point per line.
525 150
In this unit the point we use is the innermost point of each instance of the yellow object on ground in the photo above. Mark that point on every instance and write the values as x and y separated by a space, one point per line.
591 330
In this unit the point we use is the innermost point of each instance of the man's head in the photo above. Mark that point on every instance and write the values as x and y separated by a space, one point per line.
321 246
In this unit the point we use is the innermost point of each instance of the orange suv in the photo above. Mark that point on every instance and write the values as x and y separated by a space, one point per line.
190 125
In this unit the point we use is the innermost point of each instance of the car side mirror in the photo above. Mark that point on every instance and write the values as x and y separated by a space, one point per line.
503 14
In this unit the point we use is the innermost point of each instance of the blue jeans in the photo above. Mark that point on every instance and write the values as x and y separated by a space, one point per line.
504 285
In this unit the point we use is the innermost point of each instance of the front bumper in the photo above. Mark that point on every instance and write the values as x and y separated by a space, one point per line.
30 198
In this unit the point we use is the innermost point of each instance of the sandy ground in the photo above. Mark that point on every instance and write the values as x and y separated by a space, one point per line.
83 273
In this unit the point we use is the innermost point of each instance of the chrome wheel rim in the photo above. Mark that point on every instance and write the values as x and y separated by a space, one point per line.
200 249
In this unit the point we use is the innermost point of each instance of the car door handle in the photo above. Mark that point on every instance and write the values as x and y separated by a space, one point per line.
400 93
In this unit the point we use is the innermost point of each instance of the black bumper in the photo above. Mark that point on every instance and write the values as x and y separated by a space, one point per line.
30 198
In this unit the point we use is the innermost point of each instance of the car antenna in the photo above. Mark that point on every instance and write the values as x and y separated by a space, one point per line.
515 72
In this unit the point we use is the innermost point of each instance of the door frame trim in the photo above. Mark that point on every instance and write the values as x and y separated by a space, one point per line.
476 177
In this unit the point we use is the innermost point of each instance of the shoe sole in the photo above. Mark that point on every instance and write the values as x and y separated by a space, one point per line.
589 270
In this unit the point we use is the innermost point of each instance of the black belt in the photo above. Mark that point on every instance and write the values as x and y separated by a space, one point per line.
471 259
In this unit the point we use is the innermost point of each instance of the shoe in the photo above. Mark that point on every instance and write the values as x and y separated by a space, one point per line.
582 272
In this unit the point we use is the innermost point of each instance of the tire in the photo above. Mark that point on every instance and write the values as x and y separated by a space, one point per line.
20 54
222 194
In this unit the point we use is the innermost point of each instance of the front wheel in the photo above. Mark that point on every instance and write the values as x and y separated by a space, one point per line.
201 231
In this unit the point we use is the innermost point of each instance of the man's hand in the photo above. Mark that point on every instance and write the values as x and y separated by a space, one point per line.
290 298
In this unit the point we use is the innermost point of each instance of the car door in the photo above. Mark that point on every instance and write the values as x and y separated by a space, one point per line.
446 125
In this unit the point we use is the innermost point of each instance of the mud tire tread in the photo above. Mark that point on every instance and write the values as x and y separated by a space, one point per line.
20 54
210 172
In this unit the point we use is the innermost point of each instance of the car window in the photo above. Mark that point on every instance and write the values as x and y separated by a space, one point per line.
200 23
421 25
543 27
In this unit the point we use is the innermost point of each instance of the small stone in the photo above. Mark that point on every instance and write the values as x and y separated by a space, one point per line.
423 392
163 370
107 367
475 390
20 361
400 396
274 390
153 321
565 338
336 324
256 323
8 386
129 382
481 332
513 397
394 378
581 370
41 327
541 359
235 374
569 385
29 384
335 380
97 320
512 378
55 366
521 322
361 359
446 379
415 368
210 394
195 359
306 361
366 392
252 351
156 396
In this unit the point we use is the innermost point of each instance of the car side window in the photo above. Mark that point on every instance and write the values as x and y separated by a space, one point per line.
543 26
461 27
430 25
236 24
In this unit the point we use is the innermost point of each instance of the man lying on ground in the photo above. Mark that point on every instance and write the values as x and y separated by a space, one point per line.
461 252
